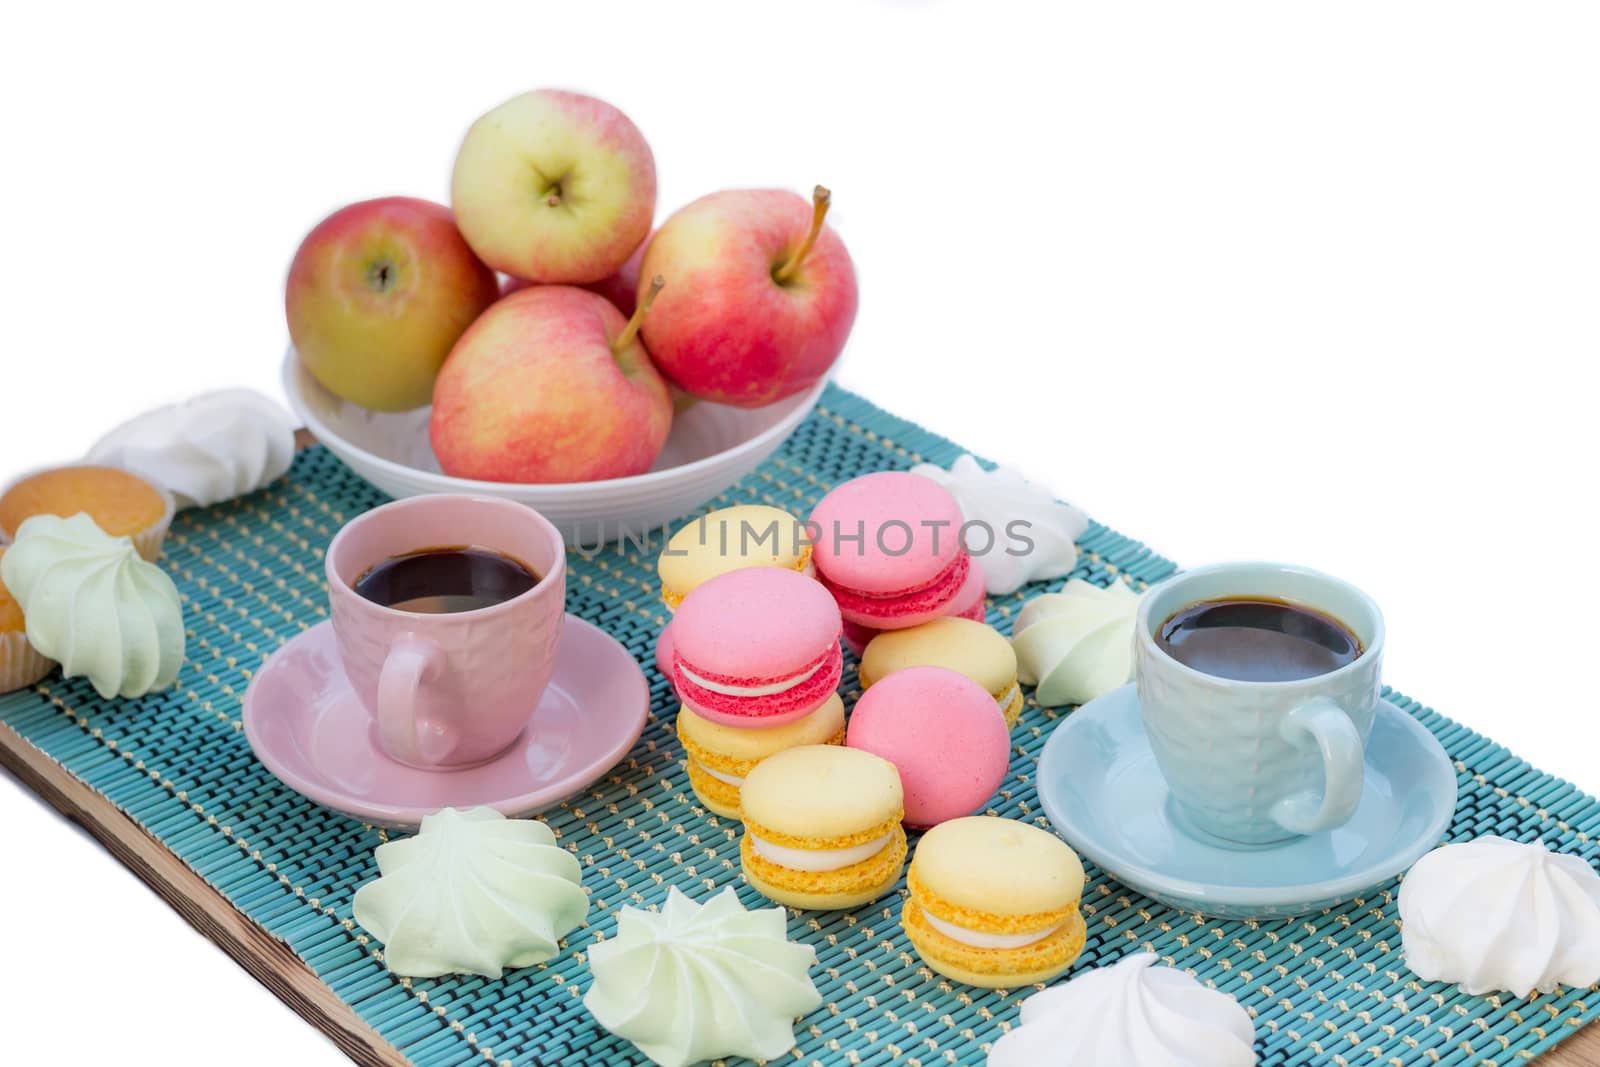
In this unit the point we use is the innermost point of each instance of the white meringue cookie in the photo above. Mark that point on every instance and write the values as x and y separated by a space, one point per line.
1077 644
206 450
1493 914
1131 1014
92 604
472 893
700 982
1013 509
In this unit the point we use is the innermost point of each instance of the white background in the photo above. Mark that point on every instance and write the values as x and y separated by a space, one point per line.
1316 283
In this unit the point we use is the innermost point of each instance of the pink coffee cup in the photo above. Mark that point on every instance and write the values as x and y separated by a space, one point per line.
448 690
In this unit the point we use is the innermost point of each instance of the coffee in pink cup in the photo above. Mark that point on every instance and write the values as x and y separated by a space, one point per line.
447 613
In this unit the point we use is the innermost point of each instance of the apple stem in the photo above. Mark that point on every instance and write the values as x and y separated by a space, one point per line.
820 199
630 331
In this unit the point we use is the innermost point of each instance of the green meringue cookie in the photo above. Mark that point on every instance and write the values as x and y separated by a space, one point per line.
95 606
1077 644
701 982
472 893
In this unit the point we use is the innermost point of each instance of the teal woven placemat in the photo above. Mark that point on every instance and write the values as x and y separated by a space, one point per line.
1330 988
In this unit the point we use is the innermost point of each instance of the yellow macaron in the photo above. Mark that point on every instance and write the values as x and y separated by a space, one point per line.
822 827
974 649
994 902
721 757
746 535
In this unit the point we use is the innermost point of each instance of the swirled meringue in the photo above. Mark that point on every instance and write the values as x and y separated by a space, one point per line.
1131 1014
1014 510
92 604
211 448
1493 914
699 982
1077 644
472 893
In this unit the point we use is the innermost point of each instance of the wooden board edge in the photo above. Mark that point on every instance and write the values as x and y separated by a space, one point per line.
1582 1049
268 960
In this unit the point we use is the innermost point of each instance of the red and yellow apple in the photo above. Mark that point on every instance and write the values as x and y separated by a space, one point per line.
551 384
621 288
378 293
762 298
554 187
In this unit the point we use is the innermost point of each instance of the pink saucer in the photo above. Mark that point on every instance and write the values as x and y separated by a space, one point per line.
307 727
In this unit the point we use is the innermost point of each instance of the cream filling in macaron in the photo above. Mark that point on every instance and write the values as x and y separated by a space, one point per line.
1005 699
979 939
817 860
766 690
731 779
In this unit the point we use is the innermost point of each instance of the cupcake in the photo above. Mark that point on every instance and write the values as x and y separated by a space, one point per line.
20 663
121 504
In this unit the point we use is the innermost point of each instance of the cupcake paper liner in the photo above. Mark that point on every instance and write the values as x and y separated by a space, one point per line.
21 665
148 541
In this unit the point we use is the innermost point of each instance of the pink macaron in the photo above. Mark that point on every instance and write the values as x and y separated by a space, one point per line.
942 732
969 603
888 547
857 638
664 652
756 647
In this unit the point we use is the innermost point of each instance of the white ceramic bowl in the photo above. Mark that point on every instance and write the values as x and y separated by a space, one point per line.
710 448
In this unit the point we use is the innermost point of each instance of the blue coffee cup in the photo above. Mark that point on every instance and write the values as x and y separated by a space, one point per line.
1253 762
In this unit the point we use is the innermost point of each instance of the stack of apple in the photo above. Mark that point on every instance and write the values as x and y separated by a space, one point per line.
561 372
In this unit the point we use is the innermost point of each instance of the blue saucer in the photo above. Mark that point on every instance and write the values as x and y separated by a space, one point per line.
1100 786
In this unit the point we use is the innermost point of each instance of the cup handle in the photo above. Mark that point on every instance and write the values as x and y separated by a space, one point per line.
1324 723
406 666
